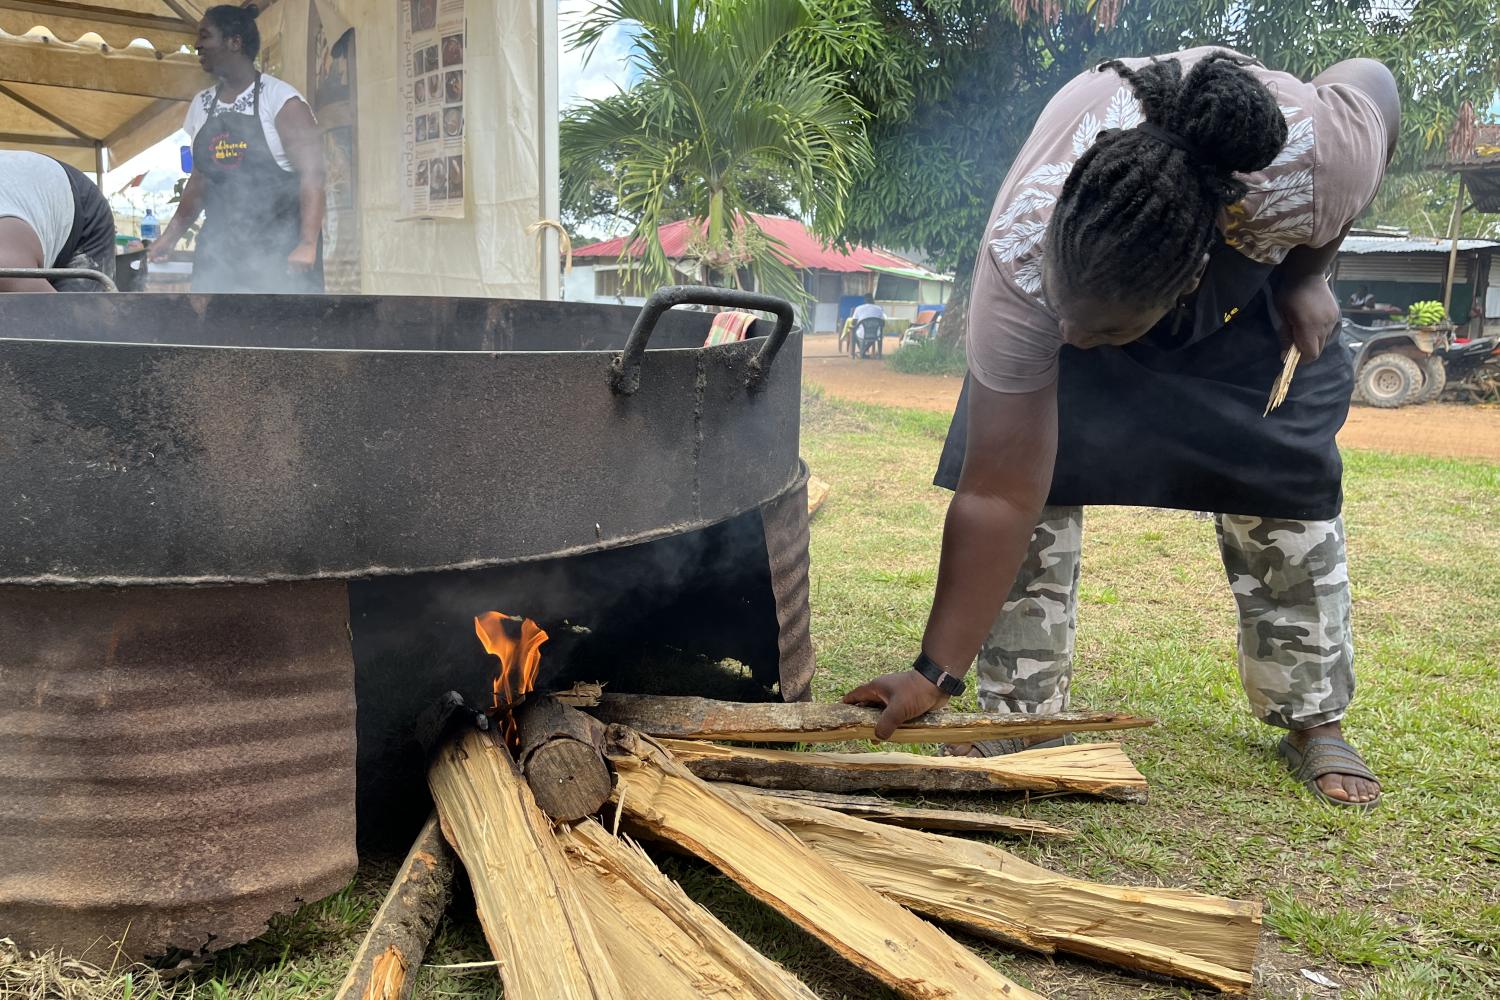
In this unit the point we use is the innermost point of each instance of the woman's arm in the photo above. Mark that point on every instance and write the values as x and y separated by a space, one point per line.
189 207
21 247
1299 282
1007 473
303 141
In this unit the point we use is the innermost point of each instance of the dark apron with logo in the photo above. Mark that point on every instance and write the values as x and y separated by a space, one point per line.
1174 419
252 209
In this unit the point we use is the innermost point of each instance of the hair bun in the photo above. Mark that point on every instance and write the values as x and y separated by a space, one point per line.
1232 119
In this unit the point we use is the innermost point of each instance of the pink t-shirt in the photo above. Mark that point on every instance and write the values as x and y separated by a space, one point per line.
1325 176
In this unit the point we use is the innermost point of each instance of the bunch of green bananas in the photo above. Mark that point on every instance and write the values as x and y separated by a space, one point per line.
1424 314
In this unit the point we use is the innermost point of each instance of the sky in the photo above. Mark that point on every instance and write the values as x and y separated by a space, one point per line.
601 76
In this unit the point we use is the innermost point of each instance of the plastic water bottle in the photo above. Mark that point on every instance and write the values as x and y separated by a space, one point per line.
150 228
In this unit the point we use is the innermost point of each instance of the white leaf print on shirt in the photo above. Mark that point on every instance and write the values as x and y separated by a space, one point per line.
1299 139
1282 194
1084 135
1029 275
1028 200
1124 110
1049 173
1018 240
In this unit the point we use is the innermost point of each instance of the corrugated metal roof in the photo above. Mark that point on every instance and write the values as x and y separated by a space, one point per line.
802 248
1408 244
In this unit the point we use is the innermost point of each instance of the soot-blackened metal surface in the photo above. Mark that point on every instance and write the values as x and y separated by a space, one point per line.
176 765
323 437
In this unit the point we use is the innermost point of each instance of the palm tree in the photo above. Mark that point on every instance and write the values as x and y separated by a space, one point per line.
718 108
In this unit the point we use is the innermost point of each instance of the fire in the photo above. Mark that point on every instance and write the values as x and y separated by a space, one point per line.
518 644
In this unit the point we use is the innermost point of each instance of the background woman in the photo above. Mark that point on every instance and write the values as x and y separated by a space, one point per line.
257 171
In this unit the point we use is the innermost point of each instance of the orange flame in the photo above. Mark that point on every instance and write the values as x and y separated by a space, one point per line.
520 655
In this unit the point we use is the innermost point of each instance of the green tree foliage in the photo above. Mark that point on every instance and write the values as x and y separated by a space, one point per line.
955 85
720 123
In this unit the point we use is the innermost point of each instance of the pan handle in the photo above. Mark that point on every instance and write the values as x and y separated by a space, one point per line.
625 370
59 273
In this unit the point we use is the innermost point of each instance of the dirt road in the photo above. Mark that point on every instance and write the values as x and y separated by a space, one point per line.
1443 430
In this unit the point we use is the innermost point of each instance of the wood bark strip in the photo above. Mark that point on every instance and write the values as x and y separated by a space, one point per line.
562 756
529 906
879 810
664 945
1100 769
911 956
402 929
1189 935
812 722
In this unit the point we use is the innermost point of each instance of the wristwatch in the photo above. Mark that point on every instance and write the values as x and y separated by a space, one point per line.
944 681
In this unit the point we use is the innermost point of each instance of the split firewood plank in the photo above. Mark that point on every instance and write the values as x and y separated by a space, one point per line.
664 945
1100 769
909 955
817 493
879 810
812 722
385 965
562 757
985 890
529 906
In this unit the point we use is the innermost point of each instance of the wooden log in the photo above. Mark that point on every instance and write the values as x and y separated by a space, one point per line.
878 810
1189 935
1100 769
562 756
664 945
384 966
909 955
817 493
812 722
529 906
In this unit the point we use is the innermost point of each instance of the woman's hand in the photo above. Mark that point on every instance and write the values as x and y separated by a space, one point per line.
903 695
303 258
1310 310
162 246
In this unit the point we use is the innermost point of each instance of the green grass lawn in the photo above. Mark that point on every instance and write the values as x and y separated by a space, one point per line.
1401 903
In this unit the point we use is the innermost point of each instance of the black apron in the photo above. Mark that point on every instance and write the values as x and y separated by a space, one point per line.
252 209
1174 419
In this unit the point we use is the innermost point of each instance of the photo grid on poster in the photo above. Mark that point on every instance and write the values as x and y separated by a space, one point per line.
433 60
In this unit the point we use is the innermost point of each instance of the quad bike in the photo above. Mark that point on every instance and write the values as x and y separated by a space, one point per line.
1397 365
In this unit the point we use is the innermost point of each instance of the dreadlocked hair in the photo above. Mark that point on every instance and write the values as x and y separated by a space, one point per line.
1136 213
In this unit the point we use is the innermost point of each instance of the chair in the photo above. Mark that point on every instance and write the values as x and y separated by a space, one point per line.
868 332
923 327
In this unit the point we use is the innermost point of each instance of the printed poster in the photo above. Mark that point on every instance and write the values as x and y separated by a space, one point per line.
431 56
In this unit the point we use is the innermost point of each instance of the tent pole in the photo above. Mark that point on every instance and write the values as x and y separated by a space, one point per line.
1454 227
548 158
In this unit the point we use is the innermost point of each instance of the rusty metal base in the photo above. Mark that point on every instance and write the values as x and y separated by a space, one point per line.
176 765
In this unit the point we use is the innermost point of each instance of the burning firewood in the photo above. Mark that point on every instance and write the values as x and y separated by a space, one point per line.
1207 939
402 929
530 908
809 722
562 757
879 810
911 956
664 945
1099 769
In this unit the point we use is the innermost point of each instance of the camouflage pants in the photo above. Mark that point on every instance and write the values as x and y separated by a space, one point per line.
1289 578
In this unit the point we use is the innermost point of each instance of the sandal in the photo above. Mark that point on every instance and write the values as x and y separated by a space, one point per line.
1327 755
999 748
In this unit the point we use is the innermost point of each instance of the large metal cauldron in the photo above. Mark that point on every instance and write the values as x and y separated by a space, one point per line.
195 489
